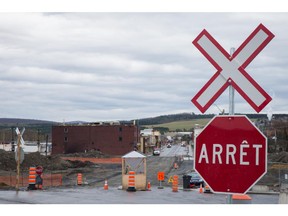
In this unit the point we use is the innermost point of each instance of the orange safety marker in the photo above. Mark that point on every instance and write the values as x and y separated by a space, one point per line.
148 186
175 183
175 166
106 185
241 199
32 178
131 182
200 189
79 179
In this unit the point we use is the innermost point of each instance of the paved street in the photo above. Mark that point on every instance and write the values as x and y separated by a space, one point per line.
89 195
95 194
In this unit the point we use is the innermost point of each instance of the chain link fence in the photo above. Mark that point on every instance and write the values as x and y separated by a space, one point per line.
277 175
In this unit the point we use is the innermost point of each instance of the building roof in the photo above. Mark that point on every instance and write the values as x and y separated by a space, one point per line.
134 154
150 132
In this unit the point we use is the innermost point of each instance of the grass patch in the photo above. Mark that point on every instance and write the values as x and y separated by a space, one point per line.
187 125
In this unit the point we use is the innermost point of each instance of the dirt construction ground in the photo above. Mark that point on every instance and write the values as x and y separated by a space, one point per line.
62 170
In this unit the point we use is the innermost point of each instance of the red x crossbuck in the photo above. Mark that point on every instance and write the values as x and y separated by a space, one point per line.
231 69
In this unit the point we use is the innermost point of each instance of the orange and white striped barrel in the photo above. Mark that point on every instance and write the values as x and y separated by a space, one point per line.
32 178
79 179
131 181
175 183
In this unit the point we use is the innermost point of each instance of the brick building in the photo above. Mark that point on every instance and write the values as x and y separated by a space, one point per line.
108 138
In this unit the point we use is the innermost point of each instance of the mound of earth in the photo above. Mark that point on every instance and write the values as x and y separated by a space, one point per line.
281 157
88 154
53 162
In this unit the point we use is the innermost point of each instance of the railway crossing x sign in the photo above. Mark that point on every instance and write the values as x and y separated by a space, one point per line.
20 134
20 145
231 69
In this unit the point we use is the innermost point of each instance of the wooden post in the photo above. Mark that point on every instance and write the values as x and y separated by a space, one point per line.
18 163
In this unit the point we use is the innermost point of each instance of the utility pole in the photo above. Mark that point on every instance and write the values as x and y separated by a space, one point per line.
46 143
38 139
12 139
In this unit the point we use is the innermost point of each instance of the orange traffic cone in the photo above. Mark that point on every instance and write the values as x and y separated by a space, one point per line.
148 186
175 165
200 189
105 185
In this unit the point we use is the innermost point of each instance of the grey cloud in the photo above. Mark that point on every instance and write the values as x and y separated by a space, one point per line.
115 66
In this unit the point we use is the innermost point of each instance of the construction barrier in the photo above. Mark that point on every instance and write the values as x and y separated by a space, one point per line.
95 160
131 182
49 179
79 179
283 197
175 183
32 178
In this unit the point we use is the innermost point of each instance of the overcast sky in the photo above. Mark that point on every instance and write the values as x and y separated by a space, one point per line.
124 66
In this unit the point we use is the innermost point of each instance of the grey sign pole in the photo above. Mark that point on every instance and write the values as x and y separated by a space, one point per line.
231 90
18 163
231 111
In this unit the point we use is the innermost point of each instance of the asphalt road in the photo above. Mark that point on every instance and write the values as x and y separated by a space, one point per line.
95 194
175 150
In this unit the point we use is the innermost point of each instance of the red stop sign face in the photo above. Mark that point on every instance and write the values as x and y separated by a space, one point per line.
230 154
39 170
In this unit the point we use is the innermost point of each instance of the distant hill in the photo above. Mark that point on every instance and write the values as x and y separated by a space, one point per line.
172 118
15 121
192 116
163 119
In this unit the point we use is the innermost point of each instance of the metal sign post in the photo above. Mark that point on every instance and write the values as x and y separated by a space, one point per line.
231 111
20 142
18 163
231 90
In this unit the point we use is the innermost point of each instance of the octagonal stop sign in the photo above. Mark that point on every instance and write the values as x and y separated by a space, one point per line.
39 170
230 154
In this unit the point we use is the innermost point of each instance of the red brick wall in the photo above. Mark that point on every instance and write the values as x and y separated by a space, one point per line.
109 139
